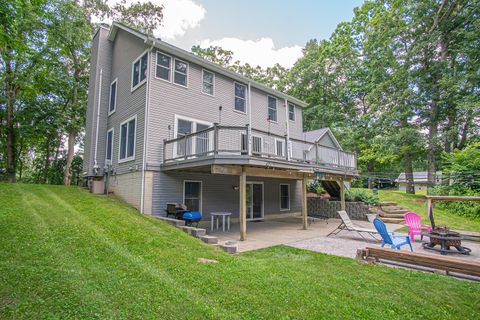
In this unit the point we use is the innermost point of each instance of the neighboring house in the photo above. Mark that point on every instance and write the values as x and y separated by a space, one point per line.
166 126
419 179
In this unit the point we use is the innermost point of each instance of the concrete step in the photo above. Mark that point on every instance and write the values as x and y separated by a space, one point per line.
393 220
229 248
209 239
187 229
386 204
395 211
198 232
392 215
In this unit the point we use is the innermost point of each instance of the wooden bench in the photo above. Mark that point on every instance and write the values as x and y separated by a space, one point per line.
445 264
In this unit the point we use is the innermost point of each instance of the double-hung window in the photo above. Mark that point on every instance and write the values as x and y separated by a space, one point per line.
139 71
291 112
272 109
180 72
127 140
208 82
164 66
240 97
109 146
284 197
112 105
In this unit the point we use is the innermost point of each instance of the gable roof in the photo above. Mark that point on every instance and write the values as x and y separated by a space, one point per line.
168 48
316 135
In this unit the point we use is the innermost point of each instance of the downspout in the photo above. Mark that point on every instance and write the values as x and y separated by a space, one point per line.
145 129
95 164
287 125
249 105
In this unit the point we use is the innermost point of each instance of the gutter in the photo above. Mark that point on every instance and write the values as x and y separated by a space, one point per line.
95 164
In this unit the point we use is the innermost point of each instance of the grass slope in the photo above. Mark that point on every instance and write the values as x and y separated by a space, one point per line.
65 253
418 203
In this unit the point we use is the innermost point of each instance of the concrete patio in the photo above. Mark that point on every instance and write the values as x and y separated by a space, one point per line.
288 231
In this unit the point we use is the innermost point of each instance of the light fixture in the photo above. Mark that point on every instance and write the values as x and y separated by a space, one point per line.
236 188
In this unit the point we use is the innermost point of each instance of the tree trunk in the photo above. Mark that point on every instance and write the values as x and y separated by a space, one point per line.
72 132
408 168
370 169
10 145
71 145
47 161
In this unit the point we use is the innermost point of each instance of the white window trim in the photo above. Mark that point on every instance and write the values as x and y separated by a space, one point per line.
276 108
294 112
126 159
110 96
280 198
201 192
156 64
133 88
194 129
110 162
213 83
235 96
283 146
187 73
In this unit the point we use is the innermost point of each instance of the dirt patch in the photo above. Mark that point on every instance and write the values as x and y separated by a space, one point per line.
207 261
420 201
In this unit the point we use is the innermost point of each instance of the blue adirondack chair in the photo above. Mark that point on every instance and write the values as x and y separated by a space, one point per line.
394 240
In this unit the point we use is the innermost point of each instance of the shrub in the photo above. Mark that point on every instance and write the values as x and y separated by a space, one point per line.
463 208
361 195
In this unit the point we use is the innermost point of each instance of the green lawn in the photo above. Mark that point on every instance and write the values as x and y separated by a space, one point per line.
418 203
65 253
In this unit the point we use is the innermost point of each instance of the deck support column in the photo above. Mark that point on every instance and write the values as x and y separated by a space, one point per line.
304 202
342 194
243 205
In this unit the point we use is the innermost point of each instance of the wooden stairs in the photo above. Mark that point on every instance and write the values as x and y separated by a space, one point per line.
391 212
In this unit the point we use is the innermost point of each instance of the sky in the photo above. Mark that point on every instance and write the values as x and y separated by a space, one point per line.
261 32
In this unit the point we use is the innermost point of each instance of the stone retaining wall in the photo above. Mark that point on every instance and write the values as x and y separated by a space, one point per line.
318 207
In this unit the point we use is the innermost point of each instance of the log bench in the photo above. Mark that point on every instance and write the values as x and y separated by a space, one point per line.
438 263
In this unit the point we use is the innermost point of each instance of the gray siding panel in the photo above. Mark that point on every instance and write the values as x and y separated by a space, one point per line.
126 49
101 62
218 193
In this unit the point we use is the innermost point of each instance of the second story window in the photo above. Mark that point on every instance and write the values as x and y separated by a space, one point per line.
180 73
127 140
272 109
164 66
139 71
113 97
240 97
291 112
208 79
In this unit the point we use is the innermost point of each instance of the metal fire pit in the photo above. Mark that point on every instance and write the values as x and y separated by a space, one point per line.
446 239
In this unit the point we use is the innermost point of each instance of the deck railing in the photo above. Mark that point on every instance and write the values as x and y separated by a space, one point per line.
235 140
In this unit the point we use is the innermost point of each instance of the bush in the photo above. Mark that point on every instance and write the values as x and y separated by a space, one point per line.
463 208
360 195
315 186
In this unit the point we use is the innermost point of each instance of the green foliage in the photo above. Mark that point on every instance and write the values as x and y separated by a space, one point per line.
361 195
68 254
463 167
316 187
463 208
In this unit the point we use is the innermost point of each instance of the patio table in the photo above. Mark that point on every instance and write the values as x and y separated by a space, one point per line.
216 216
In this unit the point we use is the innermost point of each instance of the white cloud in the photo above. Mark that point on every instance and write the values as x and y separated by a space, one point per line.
178 16
260 52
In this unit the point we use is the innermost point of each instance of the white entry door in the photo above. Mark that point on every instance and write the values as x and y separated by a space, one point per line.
255 201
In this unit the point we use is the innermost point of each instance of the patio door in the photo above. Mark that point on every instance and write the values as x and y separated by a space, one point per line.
255 201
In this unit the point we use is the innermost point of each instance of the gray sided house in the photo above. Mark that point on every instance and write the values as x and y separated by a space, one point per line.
166 126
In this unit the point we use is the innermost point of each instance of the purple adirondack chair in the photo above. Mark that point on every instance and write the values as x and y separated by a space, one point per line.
414 225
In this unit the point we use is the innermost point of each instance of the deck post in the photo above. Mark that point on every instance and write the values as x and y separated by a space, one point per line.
248 138
243 205
342 194
304 202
